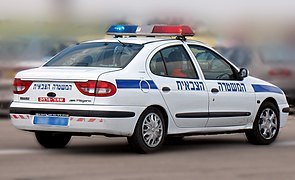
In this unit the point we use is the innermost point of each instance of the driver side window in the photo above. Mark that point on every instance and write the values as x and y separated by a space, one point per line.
213 66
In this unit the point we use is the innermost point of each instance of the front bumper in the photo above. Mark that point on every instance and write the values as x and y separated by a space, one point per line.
290 95
90 119
284 112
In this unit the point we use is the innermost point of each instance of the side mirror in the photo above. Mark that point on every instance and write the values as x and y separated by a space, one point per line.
243 73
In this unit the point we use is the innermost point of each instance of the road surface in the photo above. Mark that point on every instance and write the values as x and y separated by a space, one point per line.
198 157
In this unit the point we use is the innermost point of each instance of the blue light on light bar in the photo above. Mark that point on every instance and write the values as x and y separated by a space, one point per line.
122 29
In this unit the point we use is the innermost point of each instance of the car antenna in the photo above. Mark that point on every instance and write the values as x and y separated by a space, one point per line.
121 42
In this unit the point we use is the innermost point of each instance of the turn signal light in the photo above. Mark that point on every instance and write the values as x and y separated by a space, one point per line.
20 86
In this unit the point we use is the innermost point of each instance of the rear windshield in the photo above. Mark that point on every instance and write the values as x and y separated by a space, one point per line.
110 54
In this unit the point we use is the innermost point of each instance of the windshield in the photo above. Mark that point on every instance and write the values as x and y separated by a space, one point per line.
103 54
240 56
278 53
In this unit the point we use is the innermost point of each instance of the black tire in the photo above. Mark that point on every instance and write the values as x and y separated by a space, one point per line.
139 142
258 135
52 140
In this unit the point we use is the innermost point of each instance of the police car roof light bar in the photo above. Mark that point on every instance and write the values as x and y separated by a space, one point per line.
180 31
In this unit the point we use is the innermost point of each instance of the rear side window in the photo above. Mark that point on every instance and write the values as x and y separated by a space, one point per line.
116 55
173 62
157 65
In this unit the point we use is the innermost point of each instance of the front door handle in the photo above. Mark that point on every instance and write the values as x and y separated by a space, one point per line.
214 90
166 89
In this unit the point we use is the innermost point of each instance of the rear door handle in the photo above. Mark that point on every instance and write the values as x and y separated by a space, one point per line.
214 90
166 89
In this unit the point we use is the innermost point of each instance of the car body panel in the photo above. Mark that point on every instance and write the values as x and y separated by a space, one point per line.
138 88
193 98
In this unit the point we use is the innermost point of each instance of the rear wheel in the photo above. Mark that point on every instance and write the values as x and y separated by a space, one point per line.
149 132
266 125
52 140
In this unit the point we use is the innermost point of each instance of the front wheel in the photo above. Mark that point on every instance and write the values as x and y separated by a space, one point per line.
52 140
149 132
266 125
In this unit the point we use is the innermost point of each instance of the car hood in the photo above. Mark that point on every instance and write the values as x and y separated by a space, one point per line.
255 80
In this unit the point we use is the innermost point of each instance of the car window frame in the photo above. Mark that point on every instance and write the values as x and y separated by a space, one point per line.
232 66
167 76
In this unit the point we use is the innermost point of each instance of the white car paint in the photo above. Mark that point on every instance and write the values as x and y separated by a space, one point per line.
136 99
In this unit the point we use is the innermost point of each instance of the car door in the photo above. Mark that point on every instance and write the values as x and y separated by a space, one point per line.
183 91
231 99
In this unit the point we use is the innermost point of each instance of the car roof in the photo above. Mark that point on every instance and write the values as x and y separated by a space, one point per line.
142 40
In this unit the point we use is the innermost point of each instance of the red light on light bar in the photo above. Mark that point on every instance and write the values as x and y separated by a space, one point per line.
180 30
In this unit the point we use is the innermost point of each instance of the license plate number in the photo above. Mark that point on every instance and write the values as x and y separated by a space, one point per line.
51 120
50 99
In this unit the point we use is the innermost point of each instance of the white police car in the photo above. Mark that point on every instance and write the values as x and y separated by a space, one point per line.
147 89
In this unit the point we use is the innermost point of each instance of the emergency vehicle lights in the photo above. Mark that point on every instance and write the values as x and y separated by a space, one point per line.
176 30
122 29
152 30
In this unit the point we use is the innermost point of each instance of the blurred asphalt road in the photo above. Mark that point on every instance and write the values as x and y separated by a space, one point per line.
198 157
